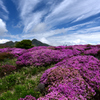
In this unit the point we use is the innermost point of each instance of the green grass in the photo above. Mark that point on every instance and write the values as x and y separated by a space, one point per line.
21 82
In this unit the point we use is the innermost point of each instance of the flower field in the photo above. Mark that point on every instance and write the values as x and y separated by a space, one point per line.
67 72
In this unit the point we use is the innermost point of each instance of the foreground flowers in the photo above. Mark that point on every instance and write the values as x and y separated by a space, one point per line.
68 82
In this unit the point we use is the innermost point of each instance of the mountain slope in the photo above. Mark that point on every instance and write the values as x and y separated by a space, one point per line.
38 43
35 42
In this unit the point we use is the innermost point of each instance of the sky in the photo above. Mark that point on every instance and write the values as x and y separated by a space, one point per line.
55 22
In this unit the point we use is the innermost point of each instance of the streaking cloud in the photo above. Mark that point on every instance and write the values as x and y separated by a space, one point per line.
3 12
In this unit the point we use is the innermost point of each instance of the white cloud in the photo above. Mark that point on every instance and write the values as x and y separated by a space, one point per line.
29 18
3 7
31 21
18 25
44 40
57 13
41 27
26 7
5 11
73 10
3 41
3 29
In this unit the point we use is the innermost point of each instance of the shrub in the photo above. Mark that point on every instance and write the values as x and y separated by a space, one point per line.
69 82
54 95
5 55
17 51
6 69
88 67
93 51
26 44
51 47
42 57
28 97
5 50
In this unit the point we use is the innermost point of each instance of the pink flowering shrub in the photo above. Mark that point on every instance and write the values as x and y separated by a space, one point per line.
14 51
51 47
45 74
24 59
79 47
18 51
40 57
5 50
92 51
88 66
54 95
67 81
60 47
28 97
68 51
6 69
37 48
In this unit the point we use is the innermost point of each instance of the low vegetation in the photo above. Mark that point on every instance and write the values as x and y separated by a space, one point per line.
26 44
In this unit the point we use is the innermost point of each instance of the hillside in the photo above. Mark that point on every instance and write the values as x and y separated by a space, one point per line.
38 43
35 42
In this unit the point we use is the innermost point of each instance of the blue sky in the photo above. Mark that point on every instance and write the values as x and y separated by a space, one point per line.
56 22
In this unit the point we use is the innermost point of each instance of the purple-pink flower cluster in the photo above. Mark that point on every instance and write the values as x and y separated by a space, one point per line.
18 51
40 57
88 66
15 51
68 82
28 97
54 95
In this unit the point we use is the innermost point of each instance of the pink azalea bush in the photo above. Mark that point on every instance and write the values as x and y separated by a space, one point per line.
5 50
28 97
54 95
88 66
18 51
37 48
68 51
40 57
67 81
80 47
92 51
15 51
